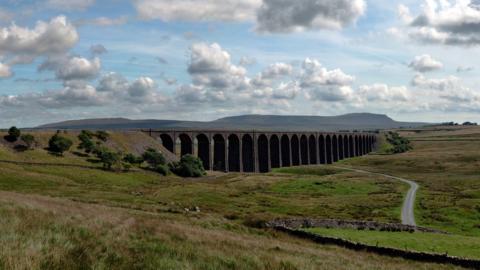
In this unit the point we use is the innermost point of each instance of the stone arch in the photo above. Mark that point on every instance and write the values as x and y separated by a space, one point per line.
274 151
340 148
322 149
346 151
248 156
219 147
167 142
233 153
285 145
351 146
328 144
304 150
295 149
263 160
335 156
186 144
312 145
204 150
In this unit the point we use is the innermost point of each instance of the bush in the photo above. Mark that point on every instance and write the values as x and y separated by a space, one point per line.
29 140
399 144
59 144
86 142
162 169
189 166
153 158
102 135
13 134
132 159
110 159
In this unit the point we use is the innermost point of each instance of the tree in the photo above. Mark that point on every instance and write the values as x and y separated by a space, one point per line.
13 134
102 135
132 159
153 158
86 142
59 144
189 166
29 140
110 158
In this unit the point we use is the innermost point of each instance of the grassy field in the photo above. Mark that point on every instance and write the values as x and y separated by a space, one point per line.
87 218
447 167
454 245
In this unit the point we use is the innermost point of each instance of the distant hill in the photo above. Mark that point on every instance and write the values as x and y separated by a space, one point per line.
354 121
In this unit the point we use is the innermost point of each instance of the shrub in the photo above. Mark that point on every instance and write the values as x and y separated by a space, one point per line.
110 159
399 143
102 135
29 140
13 134
189 166
153 158
132 159
59 144
162 169
86 142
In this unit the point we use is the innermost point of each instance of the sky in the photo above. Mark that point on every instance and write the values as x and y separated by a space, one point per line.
206 59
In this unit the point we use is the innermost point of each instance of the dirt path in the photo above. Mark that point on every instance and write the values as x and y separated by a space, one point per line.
408 216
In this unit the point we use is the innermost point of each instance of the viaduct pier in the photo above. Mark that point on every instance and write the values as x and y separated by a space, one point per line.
260 151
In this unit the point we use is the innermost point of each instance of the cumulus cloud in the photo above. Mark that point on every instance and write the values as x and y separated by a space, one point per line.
289 16
23 45
69 5
383 92
112 89
445 22
325 85
443 84
192 10
5 71
78 68
72 68
425 63
274 16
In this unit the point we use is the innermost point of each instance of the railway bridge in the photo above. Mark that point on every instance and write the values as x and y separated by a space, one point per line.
260 151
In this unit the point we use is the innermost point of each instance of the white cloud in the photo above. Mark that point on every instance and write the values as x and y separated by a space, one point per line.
449 83
383 92
315 74
78 68
445 22
193 10
275 16
5 71
23 45
425 63
299 15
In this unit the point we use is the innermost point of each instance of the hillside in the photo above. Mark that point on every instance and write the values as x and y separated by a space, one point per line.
356 121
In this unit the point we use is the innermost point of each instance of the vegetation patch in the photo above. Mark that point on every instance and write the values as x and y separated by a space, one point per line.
454 245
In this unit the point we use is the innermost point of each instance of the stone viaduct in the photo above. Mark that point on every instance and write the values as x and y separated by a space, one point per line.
260 151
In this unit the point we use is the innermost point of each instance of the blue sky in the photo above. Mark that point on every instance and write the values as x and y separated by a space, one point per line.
201 60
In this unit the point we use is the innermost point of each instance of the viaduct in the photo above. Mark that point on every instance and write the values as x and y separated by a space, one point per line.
260 151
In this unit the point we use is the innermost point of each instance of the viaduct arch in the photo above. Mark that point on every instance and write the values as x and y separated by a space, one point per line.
258 151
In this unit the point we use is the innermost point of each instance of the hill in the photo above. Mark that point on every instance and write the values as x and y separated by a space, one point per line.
355 121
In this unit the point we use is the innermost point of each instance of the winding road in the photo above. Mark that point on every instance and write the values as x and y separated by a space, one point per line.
408 216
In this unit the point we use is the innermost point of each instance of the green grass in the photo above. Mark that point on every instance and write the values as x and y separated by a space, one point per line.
455 245
163 235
